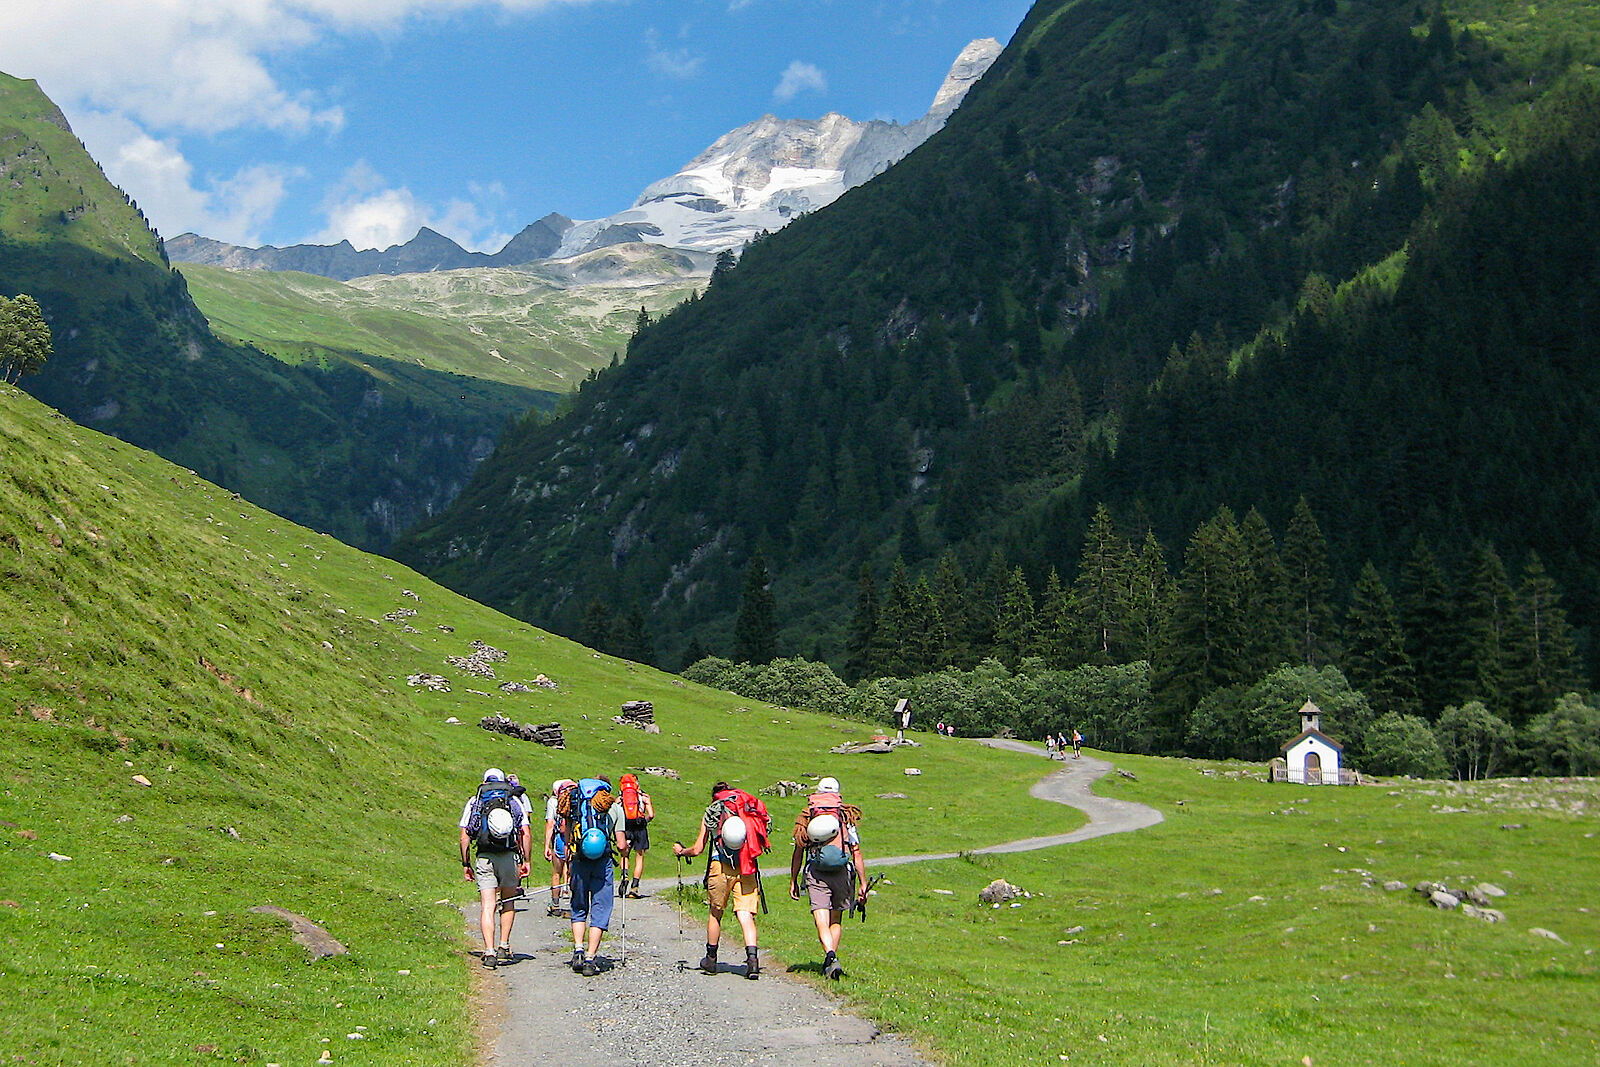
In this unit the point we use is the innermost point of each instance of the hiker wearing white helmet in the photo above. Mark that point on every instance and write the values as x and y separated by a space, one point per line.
495 823
827 851
734 829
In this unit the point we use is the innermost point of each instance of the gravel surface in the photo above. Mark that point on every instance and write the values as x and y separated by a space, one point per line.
652 1005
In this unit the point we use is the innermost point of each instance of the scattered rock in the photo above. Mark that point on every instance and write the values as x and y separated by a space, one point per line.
437 683
663 772
59 858
702 748
1444 901
785 788
893 796
1511 826
1488 915
513 687
1129 775
1489 889
317 941
544 683
857 748
945 892
453 721
1395 886
998 892
124 818
637 713
912 772
544 734
1537 931
141 779
446 628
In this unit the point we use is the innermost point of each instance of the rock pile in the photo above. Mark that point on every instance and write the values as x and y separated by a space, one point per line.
640 714
480 662
544 734
438 683
998 892
1473 902
785 788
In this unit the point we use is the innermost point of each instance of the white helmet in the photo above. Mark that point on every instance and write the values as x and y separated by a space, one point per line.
822 828
500 822
828 785
494 774
733 833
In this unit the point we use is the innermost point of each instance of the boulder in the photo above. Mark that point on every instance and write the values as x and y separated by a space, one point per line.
998 892
317 941
1444 901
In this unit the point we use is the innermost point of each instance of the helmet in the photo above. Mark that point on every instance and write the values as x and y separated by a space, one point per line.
593 844
733 832
494 774
500 822
828 785
822 828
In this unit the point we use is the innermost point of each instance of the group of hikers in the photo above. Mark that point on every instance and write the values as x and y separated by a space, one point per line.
591 832
1057 745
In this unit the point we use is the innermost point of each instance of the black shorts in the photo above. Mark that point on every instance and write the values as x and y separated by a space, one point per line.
637 833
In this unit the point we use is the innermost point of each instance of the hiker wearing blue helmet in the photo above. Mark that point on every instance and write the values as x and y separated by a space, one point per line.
495 823
594 832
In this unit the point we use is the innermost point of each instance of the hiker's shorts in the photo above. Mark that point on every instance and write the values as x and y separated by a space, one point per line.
725 883
637 833
558 845
829 890
593 891
497 870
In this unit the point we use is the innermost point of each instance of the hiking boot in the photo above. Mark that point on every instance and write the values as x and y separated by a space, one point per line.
709 965
503 954
590 968
577 960
490 960
831 968
752 968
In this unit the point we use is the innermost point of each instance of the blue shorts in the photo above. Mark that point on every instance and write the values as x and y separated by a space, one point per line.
558 845
593 892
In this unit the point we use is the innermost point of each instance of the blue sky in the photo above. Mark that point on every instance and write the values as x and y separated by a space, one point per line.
280 121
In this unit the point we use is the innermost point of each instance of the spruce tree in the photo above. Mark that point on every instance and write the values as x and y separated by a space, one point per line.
861 640
950 593
1101 593
1013 632
1309 587
755 628
1053 624
1151 591
1268 642
925 637
1488 606
895 622
1432 630
1375 659
594 629
1544 657
1206 635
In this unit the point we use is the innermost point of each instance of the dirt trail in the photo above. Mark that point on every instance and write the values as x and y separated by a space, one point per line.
653 1006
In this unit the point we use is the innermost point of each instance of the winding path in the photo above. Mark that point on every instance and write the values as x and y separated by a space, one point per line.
657 1008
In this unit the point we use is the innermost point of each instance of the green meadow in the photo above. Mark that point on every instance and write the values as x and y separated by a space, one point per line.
154 626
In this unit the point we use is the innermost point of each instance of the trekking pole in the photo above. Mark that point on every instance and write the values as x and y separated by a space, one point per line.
683 964
623 916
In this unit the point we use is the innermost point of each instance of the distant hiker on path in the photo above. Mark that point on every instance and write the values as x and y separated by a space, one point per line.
1077 744
555 844
827 843
735 828
1050 744
496 824
593 823
637 811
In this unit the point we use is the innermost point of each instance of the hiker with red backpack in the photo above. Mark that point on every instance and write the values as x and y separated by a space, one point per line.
637 811
734 829
827 850
495 823
593 829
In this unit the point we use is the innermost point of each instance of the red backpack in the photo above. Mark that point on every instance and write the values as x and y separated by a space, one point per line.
631 808
736 803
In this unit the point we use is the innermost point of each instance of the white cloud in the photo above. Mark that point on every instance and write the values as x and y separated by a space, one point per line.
367 212
800 78
156 172
678 63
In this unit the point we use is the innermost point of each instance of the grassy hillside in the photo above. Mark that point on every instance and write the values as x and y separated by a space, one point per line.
153 625
530 328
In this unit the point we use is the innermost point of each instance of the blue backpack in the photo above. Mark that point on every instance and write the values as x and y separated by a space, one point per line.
493 796
589 819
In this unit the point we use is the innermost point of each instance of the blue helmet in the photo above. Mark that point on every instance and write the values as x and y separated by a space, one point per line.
593 844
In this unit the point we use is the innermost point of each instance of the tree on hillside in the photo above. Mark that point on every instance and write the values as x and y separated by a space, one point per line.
1432 631
1544 656
1013 631
1305 558
1101 594
1375 657
1566 739
25 343
1489 607
755 628
1268 643
1473 739
859 641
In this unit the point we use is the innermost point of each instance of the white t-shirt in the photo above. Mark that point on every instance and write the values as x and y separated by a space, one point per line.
550 809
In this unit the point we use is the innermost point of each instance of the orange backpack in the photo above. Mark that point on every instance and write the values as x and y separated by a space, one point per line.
630 797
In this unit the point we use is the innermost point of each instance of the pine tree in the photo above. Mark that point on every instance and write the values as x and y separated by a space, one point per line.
1100 595
1053 624
1268 643
594 630
861 640
1206 635
630 639
1151 591
925 638
1375 659
1432 630
755 628
693 653
1543 659
1488 605
1310 586
950 593
1013 632
895 622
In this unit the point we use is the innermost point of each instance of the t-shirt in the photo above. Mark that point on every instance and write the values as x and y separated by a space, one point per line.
550 809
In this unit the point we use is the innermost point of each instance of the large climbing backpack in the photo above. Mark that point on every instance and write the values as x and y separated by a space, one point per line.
632 808
826 843
585 811
737 804
495 824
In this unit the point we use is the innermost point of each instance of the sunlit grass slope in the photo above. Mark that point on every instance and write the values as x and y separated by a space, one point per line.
151 625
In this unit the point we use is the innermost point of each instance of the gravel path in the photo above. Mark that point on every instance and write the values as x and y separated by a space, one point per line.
653 1006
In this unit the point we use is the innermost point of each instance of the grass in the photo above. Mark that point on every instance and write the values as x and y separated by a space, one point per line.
519 327
154 625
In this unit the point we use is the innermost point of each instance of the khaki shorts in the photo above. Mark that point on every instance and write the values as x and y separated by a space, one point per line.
829 890
726 882
497 870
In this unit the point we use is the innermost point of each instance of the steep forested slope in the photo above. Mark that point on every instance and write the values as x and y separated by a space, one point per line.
358 449
1138 195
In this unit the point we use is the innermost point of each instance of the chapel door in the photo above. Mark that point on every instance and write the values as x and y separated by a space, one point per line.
1313 769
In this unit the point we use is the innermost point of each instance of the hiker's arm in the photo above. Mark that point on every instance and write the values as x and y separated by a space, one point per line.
549 840
466 854
861 869
794 874
526 840
649 808
694 849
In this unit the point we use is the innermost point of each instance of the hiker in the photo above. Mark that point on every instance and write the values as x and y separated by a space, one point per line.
828 844
1050 744
735 829
940 728
593 823
637 811
555 845
1077 744
496 824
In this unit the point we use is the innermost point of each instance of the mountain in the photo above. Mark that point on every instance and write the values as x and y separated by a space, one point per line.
757 178
427 251
1167 257
354 445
